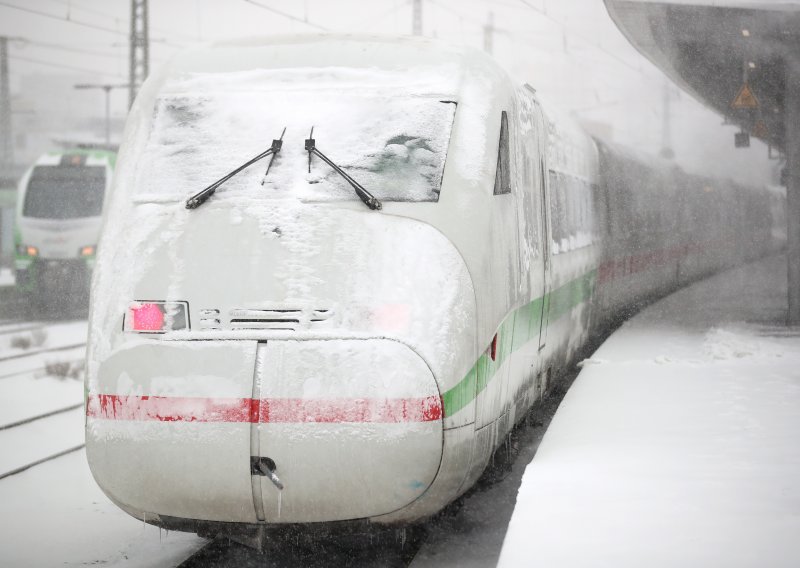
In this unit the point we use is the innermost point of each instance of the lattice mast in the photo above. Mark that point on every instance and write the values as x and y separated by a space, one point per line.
139 63
6 146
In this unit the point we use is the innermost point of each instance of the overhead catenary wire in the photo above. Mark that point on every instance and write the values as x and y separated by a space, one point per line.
455 12
63 47
64 19
583 38
287 15
120 56
374 18
65 66
56 17
72 5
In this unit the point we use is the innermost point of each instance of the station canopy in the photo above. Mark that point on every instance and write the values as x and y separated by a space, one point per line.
733 55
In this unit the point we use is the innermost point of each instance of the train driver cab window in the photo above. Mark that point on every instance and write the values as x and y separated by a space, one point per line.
502 179
65 192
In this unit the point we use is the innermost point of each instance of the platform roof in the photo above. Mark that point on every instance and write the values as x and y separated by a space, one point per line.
712 48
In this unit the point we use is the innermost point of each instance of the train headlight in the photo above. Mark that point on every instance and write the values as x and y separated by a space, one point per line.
27 250
156 317
88 250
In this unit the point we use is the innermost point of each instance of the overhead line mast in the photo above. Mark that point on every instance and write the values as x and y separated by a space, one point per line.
488 34
139 48
6 147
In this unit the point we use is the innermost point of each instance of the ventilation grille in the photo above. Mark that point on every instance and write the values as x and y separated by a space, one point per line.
278 319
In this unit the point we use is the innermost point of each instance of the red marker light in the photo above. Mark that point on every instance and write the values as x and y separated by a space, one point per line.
493 349
154 316
146 317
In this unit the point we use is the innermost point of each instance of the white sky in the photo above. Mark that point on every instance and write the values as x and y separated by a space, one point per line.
569 50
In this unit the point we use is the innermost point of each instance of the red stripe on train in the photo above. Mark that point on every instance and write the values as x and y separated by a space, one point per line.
620 267
270 410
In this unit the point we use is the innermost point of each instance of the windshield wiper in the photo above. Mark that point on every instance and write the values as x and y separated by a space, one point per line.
199 198
365 196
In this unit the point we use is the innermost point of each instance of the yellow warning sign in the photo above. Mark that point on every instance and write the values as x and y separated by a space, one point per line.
745 98
760 130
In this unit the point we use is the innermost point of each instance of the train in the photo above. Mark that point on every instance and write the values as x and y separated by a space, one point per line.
57 224
335 271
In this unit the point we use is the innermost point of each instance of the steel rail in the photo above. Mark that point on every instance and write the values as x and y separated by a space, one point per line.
24 421
41 351
41 461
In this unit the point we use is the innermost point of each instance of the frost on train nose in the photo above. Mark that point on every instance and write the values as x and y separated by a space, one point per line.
352 429
168 429
277 431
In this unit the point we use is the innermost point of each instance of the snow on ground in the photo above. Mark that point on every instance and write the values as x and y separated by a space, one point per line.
19 339
55 515
33 392
679 442
40 439
26 387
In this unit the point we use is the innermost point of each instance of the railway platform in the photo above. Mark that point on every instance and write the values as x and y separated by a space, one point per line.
679 442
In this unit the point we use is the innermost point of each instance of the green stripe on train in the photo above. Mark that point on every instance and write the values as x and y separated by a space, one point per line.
518 328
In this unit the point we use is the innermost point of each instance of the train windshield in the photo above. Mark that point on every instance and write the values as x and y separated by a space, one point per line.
393 146
65 192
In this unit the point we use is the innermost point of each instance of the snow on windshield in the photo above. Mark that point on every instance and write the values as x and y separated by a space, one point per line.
395 146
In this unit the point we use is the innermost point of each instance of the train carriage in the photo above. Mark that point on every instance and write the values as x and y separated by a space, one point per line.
58 218
341 324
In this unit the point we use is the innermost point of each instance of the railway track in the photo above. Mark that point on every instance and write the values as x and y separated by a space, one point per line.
14 326
295 547
41 419
34 371
28 326
9 368
38 439
40 461
34 352
18 423
474 524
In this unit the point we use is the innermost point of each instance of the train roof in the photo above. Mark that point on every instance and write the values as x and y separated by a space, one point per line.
88 157
636 155
331 50
405 65
570 150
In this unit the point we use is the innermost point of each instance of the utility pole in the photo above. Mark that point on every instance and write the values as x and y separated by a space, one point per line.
107 88
488 34
139 63
6 146
792 129
417 18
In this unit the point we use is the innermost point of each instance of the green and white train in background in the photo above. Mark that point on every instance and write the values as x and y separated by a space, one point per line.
307 344
58 217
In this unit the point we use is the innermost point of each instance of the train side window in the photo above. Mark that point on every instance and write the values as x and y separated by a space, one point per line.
502 179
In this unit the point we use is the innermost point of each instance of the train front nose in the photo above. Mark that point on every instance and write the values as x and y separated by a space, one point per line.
353 426
350 428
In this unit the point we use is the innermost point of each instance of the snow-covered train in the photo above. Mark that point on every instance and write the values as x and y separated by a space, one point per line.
348 327
58 218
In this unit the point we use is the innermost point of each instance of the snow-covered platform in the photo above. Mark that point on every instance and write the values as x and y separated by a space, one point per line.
679 442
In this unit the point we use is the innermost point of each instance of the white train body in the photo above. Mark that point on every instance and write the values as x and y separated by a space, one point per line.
373 359
58 219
